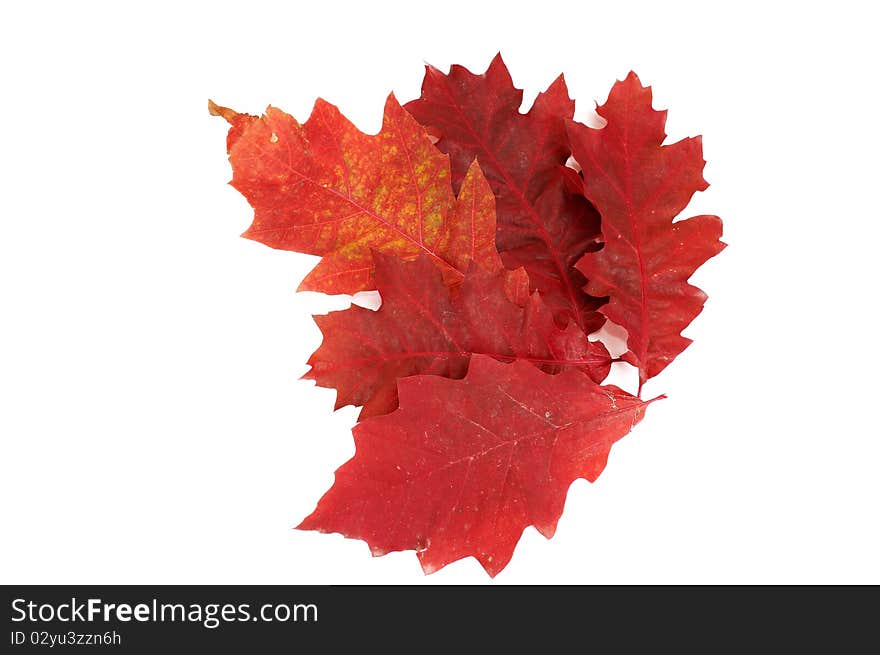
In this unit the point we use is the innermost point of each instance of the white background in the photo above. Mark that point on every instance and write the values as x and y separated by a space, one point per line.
153 426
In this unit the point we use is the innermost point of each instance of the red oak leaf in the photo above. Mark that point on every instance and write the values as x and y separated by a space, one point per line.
325 188
422 327
480 391
541 225
639 186
464 466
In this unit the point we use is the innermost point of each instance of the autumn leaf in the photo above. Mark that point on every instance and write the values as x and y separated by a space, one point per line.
639 186
495 256
325 188
541 225
423 327
464 466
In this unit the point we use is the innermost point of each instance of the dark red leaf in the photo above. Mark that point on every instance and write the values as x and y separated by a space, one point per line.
422 327
541 225
639 186
464 466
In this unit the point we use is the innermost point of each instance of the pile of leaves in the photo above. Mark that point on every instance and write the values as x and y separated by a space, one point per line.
499 243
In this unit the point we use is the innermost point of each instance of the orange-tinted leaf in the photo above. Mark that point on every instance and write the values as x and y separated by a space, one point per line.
639 186
326 188
464 466
542 226
422 327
